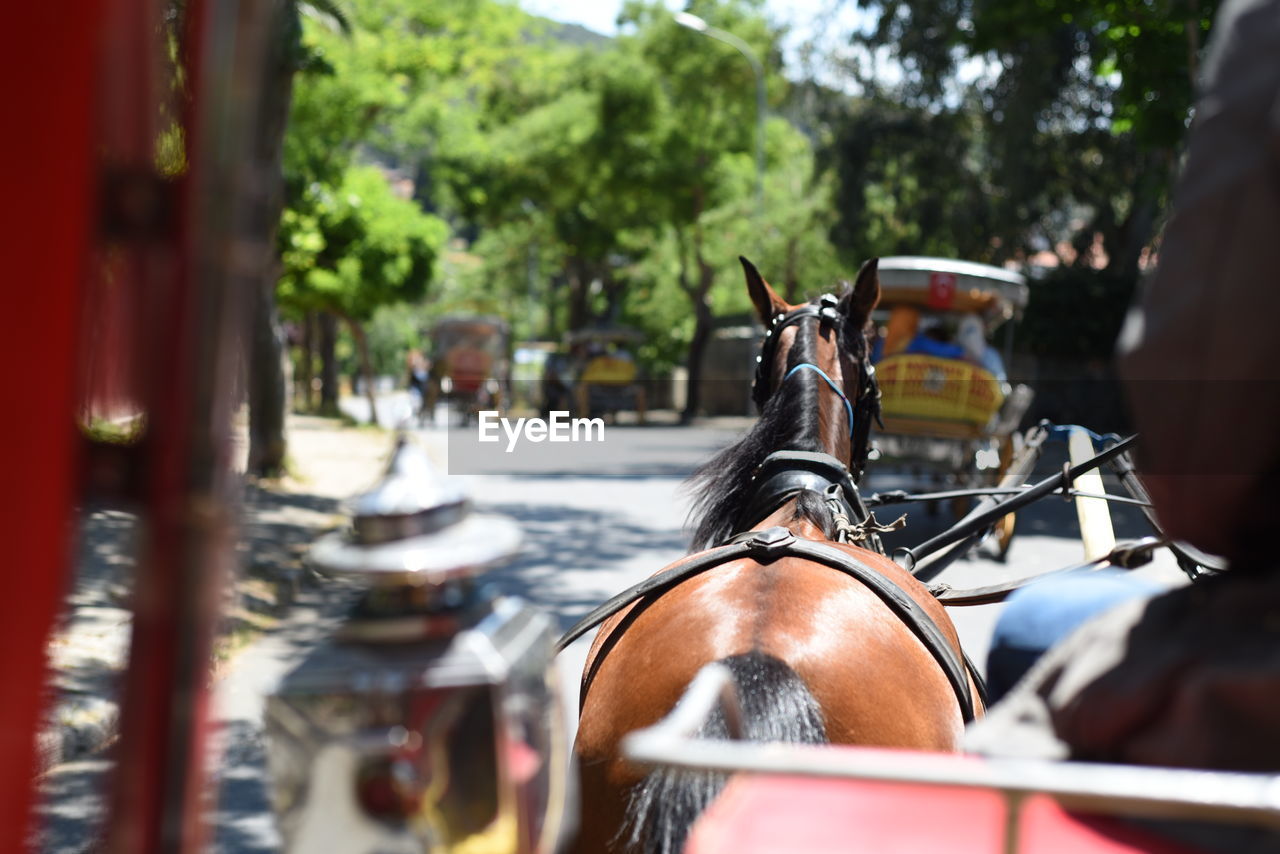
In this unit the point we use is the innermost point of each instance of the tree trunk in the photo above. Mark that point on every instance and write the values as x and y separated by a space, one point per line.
366 365
306 365
614 291
699 294
328 364
697 349
267 393
579 284
1135 233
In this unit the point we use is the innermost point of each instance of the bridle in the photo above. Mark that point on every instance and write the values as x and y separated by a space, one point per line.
861 412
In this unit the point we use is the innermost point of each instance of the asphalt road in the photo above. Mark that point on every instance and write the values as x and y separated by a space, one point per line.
588 537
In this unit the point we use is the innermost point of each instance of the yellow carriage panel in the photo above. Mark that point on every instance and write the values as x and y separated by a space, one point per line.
934 396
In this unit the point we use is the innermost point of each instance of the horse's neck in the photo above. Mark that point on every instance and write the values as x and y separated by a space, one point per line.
834 431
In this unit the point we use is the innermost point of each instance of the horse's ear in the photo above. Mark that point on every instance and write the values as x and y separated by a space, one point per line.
767 303
859 301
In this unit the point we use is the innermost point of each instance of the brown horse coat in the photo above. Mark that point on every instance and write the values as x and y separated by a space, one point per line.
876 682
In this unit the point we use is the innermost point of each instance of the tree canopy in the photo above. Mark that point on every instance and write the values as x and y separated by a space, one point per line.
1061 119
465 153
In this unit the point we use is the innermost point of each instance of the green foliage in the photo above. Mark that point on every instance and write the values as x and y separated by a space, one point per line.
582 182
393 331
787 241
911 183
1140 52
1063 125
352 248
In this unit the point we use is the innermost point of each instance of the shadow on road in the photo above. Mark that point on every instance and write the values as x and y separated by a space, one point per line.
278 527
243 821
560 540
70 814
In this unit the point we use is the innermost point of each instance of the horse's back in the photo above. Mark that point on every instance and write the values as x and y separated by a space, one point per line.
876 682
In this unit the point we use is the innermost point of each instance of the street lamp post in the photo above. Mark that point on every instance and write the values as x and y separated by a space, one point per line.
695 23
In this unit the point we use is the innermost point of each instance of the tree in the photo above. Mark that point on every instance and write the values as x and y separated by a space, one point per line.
267 386
576 166
709 111
375 92
788 238
355 247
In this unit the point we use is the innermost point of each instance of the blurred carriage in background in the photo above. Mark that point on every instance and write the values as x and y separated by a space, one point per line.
470 367
948 407
596 374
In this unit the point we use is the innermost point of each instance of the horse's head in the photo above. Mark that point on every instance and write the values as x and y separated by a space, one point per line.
822 346
816 391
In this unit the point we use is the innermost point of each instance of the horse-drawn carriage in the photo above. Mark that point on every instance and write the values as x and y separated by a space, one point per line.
470 368
828 798
947 406
596 374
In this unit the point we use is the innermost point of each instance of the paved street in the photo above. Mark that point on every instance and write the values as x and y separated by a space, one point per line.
587 538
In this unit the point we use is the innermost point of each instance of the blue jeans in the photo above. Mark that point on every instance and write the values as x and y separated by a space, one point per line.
1041 614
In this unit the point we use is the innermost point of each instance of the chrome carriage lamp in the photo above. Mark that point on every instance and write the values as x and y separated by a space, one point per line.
430 722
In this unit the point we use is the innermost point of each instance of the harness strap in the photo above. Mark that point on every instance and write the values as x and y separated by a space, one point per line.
784 473
848 531
773 543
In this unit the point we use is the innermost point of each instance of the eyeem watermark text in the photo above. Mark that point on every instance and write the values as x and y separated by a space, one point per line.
558 428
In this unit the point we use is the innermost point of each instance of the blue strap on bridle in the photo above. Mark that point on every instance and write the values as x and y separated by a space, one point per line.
848 407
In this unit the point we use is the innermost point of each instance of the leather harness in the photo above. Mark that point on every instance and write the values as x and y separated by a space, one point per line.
782 476
771 544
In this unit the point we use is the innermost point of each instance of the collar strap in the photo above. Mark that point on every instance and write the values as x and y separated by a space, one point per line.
848 407
784 473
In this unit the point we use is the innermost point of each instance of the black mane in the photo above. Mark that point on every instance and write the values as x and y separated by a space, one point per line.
788 421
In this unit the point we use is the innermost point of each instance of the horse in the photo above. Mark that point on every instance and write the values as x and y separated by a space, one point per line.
827 641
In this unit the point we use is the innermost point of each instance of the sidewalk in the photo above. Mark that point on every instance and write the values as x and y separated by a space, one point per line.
88 651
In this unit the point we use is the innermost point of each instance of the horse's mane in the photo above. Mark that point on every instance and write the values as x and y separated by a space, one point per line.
789 421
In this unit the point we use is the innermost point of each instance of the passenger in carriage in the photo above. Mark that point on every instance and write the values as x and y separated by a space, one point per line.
973 341
1189 677
934 339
